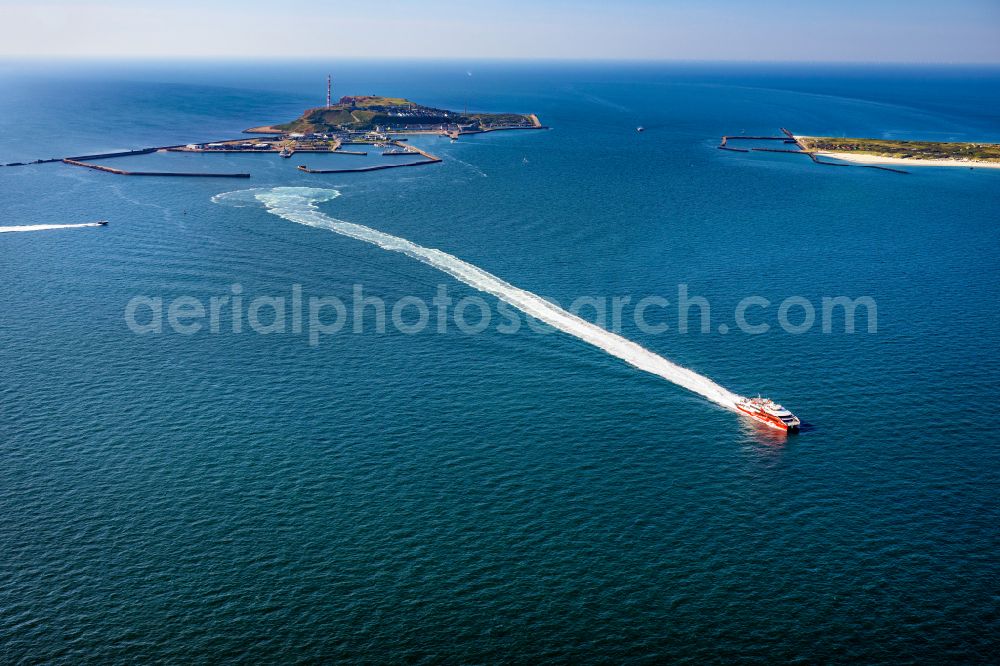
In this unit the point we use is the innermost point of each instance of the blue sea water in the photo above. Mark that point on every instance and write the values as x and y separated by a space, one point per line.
500 497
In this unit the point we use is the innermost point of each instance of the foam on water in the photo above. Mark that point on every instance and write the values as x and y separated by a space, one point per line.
46 227
298 204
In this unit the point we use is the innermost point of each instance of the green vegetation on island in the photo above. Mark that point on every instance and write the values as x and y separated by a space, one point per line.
913 150
394 113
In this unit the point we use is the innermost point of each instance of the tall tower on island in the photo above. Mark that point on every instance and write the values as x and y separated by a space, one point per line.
328 83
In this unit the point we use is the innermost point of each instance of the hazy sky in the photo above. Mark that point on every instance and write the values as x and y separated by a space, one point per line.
951 31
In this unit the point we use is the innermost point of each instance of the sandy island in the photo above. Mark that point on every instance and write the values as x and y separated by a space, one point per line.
868 158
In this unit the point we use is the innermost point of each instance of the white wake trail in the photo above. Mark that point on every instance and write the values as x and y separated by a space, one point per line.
298 204
46 227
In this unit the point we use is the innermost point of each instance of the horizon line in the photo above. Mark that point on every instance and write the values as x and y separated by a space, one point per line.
23 57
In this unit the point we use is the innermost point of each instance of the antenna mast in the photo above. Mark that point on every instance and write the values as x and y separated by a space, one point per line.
328 105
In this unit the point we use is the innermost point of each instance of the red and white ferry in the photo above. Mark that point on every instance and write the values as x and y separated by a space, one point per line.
769 413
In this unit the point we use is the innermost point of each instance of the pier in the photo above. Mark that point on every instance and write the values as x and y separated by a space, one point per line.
104 156
401 149
723 145
98 156
727 138
230 146
337 151
122 172
777 150
377 167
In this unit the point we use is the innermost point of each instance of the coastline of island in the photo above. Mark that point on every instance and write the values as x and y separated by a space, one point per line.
354 120
902 152
867 158
883 154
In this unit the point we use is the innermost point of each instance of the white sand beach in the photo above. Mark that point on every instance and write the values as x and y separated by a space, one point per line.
863 158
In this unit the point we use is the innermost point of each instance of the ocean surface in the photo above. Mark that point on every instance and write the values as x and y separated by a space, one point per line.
444 495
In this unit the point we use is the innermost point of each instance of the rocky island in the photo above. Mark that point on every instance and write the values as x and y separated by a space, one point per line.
356 121
396 115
